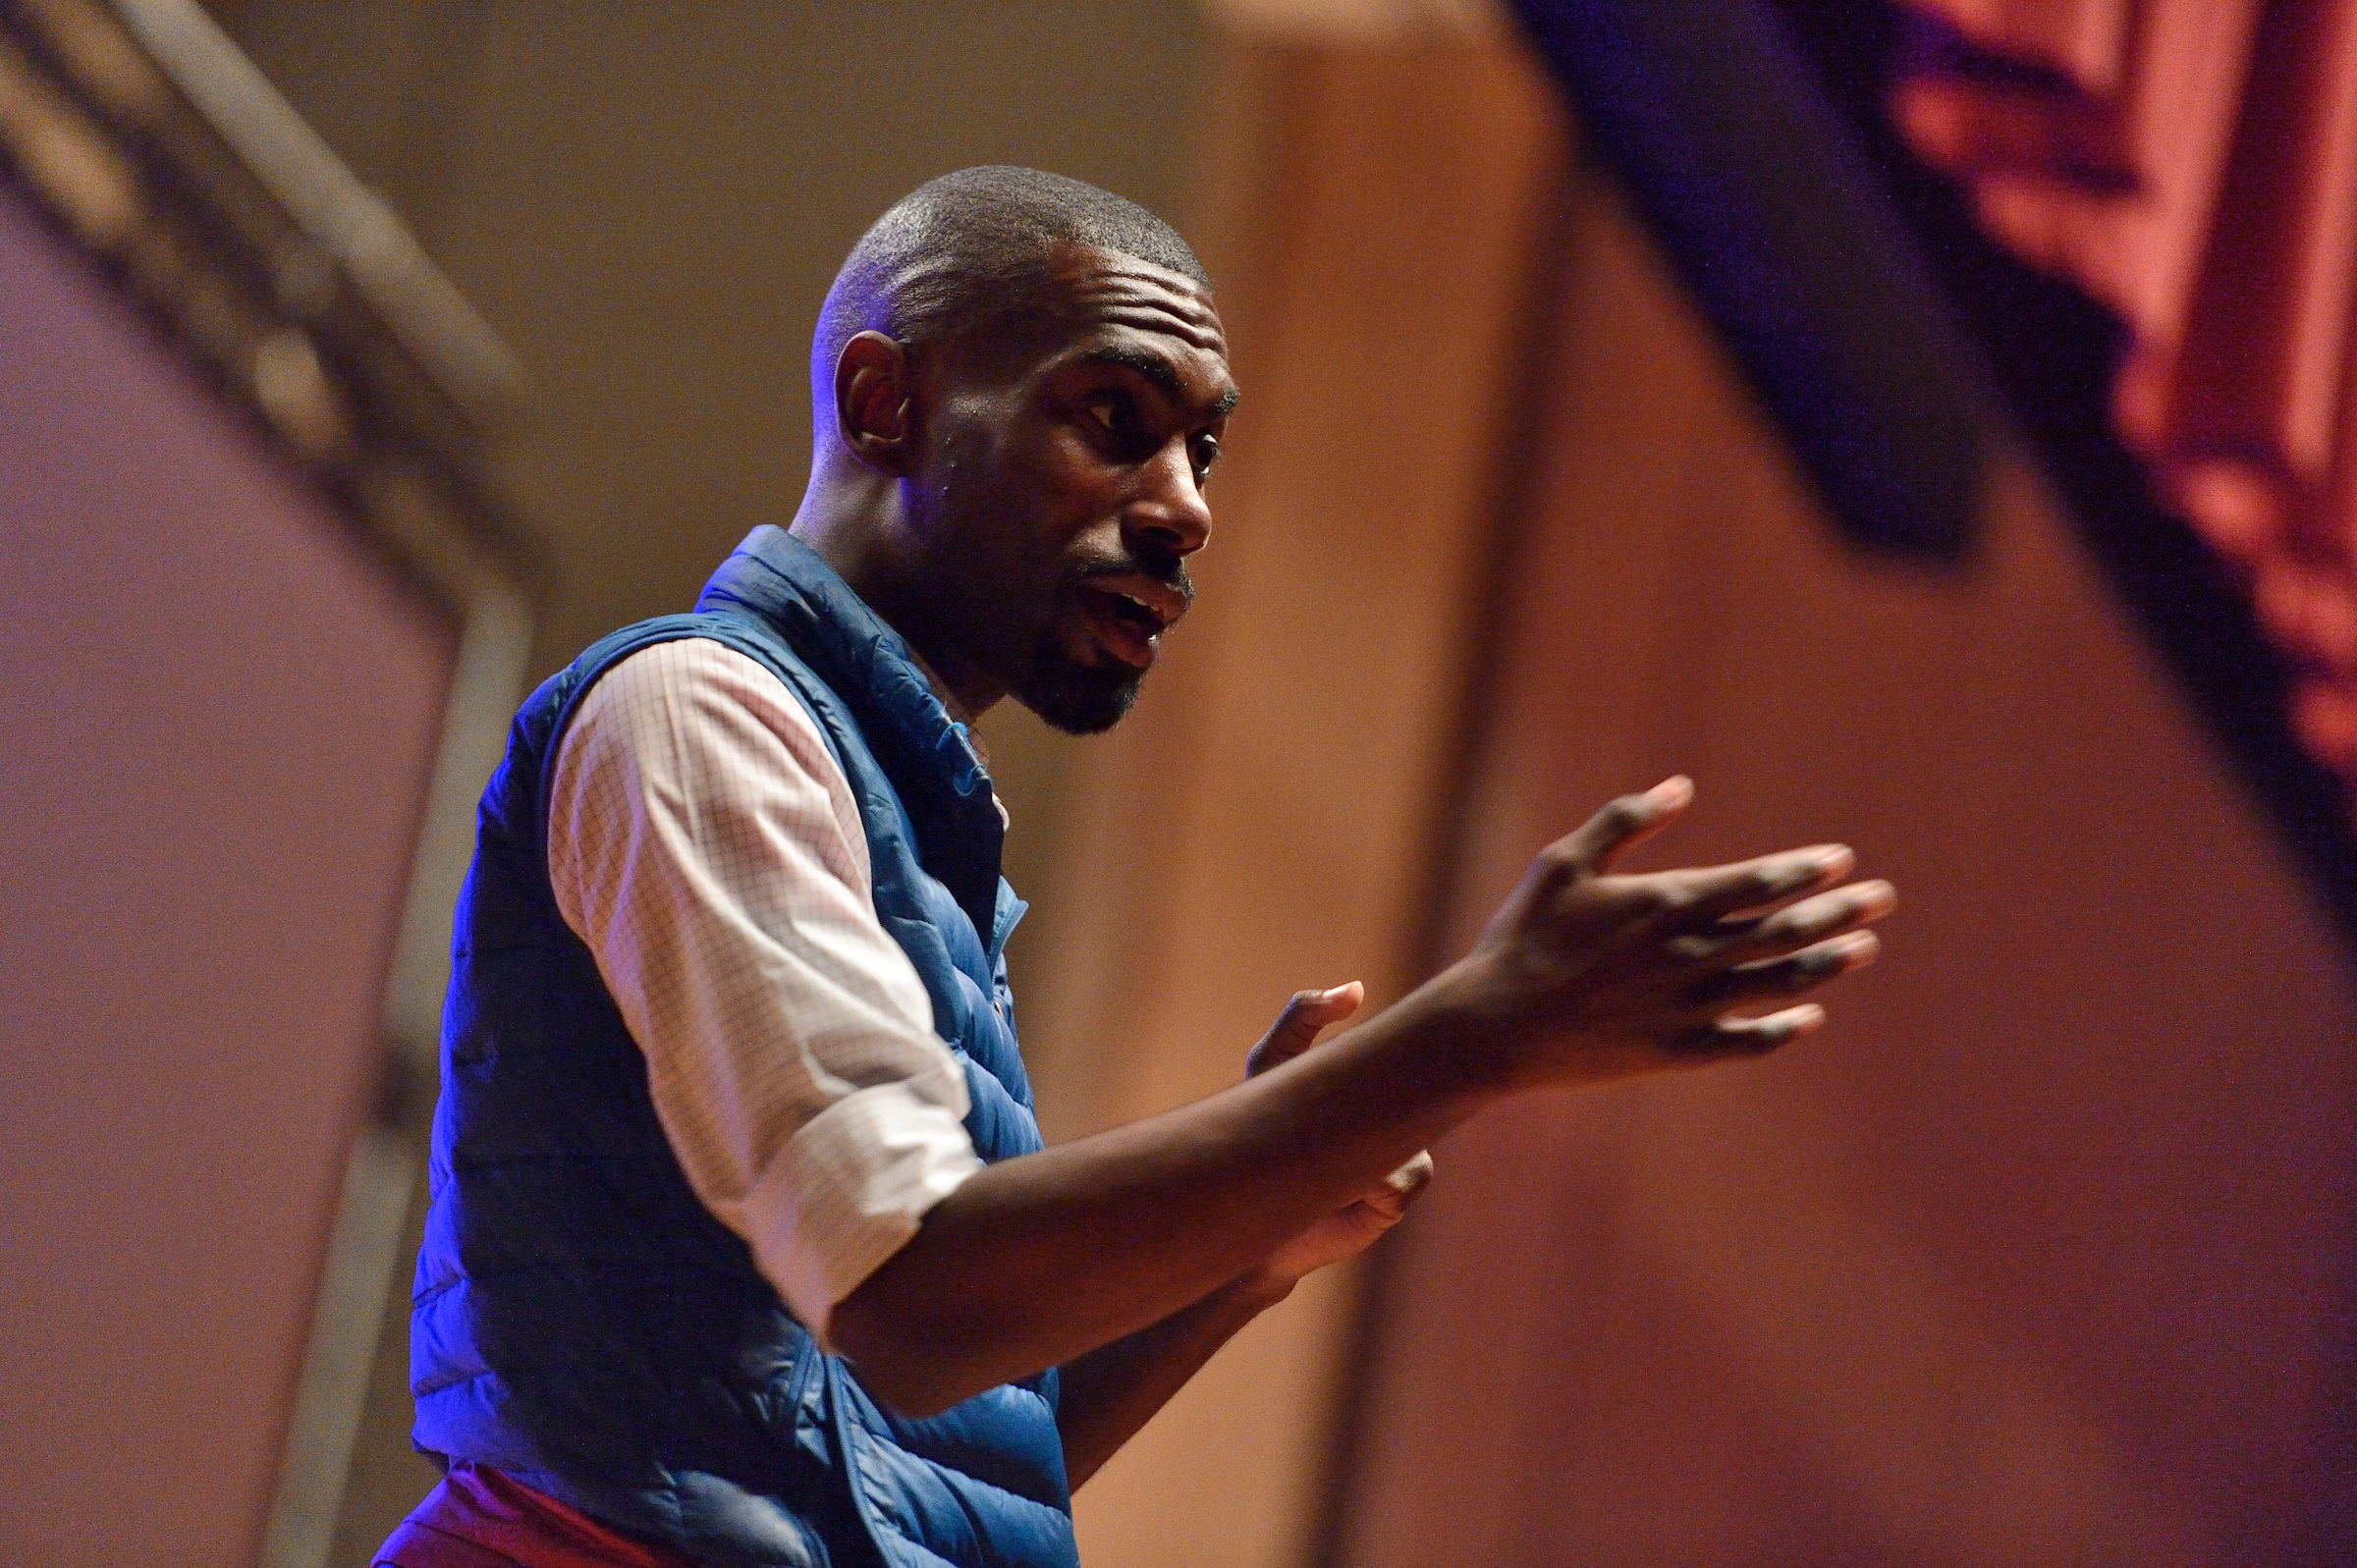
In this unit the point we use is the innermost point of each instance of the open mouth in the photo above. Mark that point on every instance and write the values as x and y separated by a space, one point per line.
1129 614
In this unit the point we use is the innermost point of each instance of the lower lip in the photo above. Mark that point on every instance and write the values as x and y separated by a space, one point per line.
1123 639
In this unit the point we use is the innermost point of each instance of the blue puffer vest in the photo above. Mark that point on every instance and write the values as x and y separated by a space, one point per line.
581 1322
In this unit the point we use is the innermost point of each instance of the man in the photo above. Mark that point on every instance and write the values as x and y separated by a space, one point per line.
744 1248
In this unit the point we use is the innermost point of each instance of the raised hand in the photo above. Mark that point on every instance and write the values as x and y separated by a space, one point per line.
1587 974
1357 1226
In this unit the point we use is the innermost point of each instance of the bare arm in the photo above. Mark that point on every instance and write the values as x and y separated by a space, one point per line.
1036 1261
1114 1390
1583 976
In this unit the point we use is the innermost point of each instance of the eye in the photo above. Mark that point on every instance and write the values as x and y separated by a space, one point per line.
1112 413
1205 455
1120 426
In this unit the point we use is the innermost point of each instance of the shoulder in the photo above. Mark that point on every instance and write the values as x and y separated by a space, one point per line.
693 719
696 735
694 694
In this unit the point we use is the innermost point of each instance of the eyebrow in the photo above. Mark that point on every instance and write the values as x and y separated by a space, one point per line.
1160 371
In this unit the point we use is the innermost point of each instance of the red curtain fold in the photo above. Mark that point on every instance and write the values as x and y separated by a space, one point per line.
2193 164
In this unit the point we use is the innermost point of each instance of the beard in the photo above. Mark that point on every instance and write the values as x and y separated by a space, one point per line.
1012 601
1031 654
1080 699
1087 693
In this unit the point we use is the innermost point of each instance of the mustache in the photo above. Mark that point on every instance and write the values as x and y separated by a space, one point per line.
1171 573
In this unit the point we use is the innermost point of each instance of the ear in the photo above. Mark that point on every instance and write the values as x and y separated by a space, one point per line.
874 402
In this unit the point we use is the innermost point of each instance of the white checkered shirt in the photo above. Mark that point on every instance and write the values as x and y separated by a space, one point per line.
705 845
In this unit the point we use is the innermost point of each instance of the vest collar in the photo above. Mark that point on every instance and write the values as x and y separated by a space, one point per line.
927 755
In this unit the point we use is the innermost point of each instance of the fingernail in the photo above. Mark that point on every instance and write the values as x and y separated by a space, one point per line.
1827 856
1334 992
1675 790
1806 1017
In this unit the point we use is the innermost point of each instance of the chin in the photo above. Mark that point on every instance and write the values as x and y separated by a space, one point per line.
1078 699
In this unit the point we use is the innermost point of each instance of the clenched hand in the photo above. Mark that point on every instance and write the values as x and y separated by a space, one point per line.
1357 1226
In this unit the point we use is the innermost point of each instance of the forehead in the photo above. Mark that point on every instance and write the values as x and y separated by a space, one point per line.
1103 287
1101 299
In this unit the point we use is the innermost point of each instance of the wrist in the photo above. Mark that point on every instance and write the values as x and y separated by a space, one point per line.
1257 1289
1468 1015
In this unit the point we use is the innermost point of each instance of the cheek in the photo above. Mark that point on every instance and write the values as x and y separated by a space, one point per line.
1020 513
1072 469
1059 506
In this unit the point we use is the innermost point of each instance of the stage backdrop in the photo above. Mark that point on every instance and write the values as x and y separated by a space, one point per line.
2038 1255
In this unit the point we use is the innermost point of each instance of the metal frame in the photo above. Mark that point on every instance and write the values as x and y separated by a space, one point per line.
160 150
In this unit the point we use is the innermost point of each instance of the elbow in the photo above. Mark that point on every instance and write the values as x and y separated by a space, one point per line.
912 1393
907 1375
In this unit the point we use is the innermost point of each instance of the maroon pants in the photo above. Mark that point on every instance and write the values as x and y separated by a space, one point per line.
483 1519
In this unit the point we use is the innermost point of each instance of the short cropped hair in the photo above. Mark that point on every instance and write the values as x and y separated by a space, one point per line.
970 250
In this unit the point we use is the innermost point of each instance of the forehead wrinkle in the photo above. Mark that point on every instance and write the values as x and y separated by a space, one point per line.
1105 291
1185 300
1154 322
1112 294
1082 265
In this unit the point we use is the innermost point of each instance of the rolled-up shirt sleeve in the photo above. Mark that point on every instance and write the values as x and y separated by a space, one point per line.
704 843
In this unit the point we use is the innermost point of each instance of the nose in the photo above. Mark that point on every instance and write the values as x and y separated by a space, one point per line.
1168 515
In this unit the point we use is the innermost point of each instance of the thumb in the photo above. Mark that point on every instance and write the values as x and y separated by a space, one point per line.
1296 1028
1412 1177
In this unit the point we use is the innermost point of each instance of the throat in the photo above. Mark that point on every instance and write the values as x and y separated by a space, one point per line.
959 709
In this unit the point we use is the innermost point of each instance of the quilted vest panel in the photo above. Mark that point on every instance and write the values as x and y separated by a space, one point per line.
580 1320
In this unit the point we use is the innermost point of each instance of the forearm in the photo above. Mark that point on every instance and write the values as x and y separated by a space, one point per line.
1038 1261
1111 1391
1583 976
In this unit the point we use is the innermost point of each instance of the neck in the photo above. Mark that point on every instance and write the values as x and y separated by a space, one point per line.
856 523
957 705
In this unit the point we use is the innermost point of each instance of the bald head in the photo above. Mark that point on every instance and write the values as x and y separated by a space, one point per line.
972 252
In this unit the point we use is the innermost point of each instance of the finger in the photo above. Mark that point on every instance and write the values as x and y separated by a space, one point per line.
1375 1214
1390 1198
1756 1036
1717 891
1411 1179
1811 920
1386 1203
1793 973
1298 1027
1623 824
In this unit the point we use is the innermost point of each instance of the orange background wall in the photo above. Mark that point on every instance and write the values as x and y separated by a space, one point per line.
2038 1255
2041 1254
